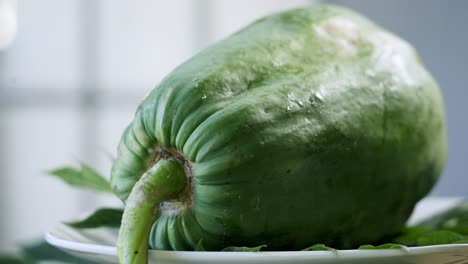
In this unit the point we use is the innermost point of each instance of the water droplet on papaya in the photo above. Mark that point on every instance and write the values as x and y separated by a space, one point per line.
262 143
288 108
295 45
196 78
229 93
277 63
319 96
203 97
370 73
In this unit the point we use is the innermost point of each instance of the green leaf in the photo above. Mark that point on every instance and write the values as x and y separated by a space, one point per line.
438 221
243 249
321 247
11 260
384 246
463 241
85 177
105 217
457 225
367 247
410 235
199 246
42 251
438 237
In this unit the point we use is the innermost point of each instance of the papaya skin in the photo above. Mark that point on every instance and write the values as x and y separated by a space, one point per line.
308 126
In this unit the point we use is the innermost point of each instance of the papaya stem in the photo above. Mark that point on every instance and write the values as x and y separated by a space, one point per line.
164 181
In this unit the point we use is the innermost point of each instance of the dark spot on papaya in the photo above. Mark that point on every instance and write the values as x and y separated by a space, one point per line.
136 252
288 171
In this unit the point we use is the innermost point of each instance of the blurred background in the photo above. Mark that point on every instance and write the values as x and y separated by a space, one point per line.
74 74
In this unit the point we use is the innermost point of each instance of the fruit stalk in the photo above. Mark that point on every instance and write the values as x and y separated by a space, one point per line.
164 181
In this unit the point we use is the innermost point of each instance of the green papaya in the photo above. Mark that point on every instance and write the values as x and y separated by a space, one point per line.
309 126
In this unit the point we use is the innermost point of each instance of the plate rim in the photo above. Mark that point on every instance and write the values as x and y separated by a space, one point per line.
112 251
69 244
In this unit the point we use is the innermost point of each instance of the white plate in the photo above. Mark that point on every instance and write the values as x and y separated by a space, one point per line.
99 245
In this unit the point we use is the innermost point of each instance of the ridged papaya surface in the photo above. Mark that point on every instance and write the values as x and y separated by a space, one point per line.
308 126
